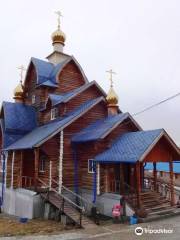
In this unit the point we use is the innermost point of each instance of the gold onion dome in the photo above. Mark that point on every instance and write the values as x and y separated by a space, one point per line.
58 36
112 97
19 91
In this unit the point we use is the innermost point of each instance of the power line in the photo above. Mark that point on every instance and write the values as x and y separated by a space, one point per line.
156 104
142 111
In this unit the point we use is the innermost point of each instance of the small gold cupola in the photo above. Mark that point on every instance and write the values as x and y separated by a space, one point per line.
112 97
58 37
19 90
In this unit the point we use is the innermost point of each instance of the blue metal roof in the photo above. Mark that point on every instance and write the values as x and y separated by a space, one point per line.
98 129
19 117
41 134
57 98
8 137
46 71
129 147
48 83
164 166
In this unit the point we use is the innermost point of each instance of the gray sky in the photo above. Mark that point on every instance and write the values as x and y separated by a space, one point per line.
139 39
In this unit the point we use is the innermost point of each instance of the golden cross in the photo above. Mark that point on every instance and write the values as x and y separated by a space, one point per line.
59 16
22 69
111 74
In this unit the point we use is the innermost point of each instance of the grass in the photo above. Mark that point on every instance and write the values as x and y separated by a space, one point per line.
10 226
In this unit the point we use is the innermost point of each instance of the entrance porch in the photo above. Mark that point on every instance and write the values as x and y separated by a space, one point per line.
123 169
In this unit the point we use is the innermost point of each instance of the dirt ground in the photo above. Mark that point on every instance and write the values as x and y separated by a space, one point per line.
10 226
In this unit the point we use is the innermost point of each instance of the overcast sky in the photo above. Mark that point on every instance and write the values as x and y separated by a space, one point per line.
138 39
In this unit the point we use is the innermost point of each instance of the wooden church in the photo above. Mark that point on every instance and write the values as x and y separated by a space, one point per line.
64 133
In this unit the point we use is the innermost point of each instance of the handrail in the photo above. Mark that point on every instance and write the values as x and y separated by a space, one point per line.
45 184
75 194
53 189
67 199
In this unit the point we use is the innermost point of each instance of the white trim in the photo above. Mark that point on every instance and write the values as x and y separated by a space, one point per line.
54 113
50 174
12 170
98 179
163 133
33 99
61 149
91 159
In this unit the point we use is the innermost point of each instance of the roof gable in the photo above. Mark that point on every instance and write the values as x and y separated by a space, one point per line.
63 98
99 129
41 134
130 147
47 73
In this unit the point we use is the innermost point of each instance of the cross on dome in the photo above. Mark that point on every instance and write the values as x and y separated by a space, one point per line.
112 97
59 18
22 69
111 76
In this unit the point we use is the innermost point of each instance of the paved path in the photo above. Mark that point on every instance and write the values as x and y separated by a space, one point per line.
118 232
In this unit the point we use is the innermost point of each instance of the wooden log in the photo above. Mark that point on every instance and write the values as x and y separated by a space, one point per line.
138 180
36 166
155 176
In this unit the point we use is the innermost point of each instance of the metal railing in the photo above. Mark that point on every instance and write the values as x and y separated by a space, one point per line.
159 186
74 197
66 201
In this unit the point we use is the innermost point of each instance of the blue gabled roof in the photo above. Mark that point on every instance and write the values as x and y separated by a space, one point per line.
19 117
98 129
46 71
57 98
41 134
164 166
129 147
48 83
8 137
43 69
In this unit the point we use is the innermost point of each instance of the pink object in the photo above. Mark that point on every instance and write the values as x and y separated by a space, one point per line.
116 210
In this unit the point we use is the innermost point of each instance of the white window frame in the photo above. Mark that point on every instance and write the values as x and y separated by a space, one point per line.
91 169
33 99
54 113
42 164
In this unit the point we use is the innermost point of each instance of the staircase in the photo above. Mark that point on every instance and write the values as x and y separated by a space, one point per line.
65 205
156 206
154 203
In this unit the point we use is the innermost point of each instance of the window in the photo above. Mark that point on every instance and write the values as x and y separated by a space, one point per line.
91 166
42 164
33 99
54 113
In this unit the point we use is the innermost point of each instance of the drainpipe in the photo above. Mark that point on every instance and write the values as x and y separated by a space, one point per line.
94 184
3 179
76 185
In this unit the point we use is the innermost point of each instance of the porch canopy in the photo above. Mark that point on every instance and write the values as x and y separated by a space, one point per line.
133 146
